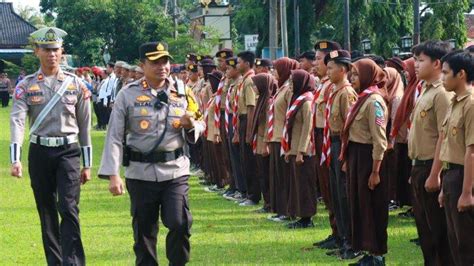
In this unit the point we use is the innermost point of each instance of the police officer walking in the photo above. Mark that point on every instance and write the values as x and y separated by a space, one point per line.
150 122
58 108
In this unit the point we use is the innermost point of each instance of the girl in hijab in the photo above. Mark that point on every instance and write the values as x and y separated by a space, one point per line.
218 172
364 142
279 169
399 132
392 93
299 149
265 85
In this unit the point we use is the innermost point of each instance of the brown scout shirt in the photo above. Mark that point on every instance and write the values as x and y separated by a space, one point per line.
321 104
281 102
212 131
369 125
71 115
458 128
247 96
427 119
344 98
302 130
134 113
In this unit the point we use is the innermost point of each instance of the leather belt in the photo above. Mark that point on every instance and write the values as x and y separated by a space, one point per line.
422 162
156 157
452 166
53 141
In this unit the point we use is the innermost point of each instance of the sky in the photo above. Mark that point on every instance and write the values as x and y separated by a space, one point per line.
32 3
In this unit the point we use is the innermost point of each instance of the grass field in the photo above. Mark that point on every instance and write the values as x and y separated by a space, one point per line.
223 233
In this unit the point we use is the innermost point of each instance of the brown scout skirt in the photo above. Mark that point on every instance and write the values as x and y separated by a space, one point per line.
302 191
368 208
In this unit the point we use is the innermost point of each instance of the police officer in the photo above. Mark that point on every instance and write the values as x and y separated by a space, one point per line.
149 125
58 107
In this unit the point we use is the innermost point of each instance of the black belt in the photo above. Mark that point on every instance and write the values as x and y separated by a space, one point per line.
422 162
452 166
156 157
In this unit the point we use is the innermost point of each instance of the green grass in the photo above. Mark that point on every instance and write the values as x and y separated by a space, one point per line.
223 233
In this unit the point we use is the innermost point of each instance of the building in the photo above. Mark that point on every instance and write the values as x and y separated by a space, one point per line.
14 33
212 14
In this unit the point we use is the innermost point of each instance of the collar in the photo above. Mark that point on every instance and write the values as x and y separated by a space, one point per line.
40 76
435 84
462 96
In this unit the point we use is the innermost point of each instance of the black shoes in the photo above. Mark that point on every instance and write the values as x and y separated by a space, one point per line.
369 260
345 254
331 242
300 224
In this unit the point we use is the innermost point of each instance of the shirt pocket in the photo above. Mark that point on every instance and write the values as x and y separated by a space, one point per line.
141 119
36 98
69 102
425 112
456 127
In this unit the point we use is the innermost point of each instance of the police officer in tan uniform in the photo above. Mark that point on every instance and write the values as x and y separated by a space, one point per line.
58 107
424 139
340 100
149 125
457 154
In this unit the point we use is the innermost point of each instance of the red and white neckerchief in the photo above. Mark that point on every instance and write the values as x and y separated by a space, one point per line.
206 114
326 149
254 141
417 92
317 93
285 143
235 118
217 107
227 107
271 111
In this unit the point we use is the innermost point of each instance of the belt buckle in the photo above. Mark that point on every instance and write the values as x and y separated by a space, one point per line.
53 142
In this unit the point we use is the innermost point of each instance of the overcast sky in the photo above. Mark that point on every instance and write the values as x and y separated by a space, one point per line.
32 3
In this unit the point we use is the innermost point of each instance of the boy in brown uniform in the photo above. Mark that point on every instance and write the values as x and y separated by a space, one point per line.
323 89
424 139
457 154
245 98
340 100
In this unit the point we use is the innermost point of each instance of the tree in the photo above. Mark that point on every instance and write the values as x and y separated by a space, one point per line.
447 22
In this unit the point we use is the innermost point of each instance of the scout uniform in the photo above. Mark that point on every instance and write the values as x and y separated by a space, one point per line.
221 95
302 179
337 107
245 96
427 119
279 169
458 132
234 150
54 154
145 131
321 96
364 141
194 149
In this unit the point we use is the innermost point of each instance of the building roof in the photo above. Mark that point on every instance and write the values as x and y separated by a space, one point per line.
14 30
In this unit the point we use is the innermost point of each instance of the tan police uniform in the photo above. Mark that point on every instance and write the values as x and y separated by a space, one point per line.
367 143
56 143
145 132
458 134
427 119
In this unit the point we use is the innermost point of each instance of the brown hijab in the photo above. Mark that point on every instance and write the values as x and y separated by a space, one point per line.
266 85
408 100
371 77
284 66
302 82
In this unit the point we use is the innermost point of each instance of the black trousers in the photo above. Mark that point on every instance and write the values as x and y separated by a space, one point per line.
235 162
249 165
430 220
460 224
5 97
55 179
339 193
147 200
103 113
